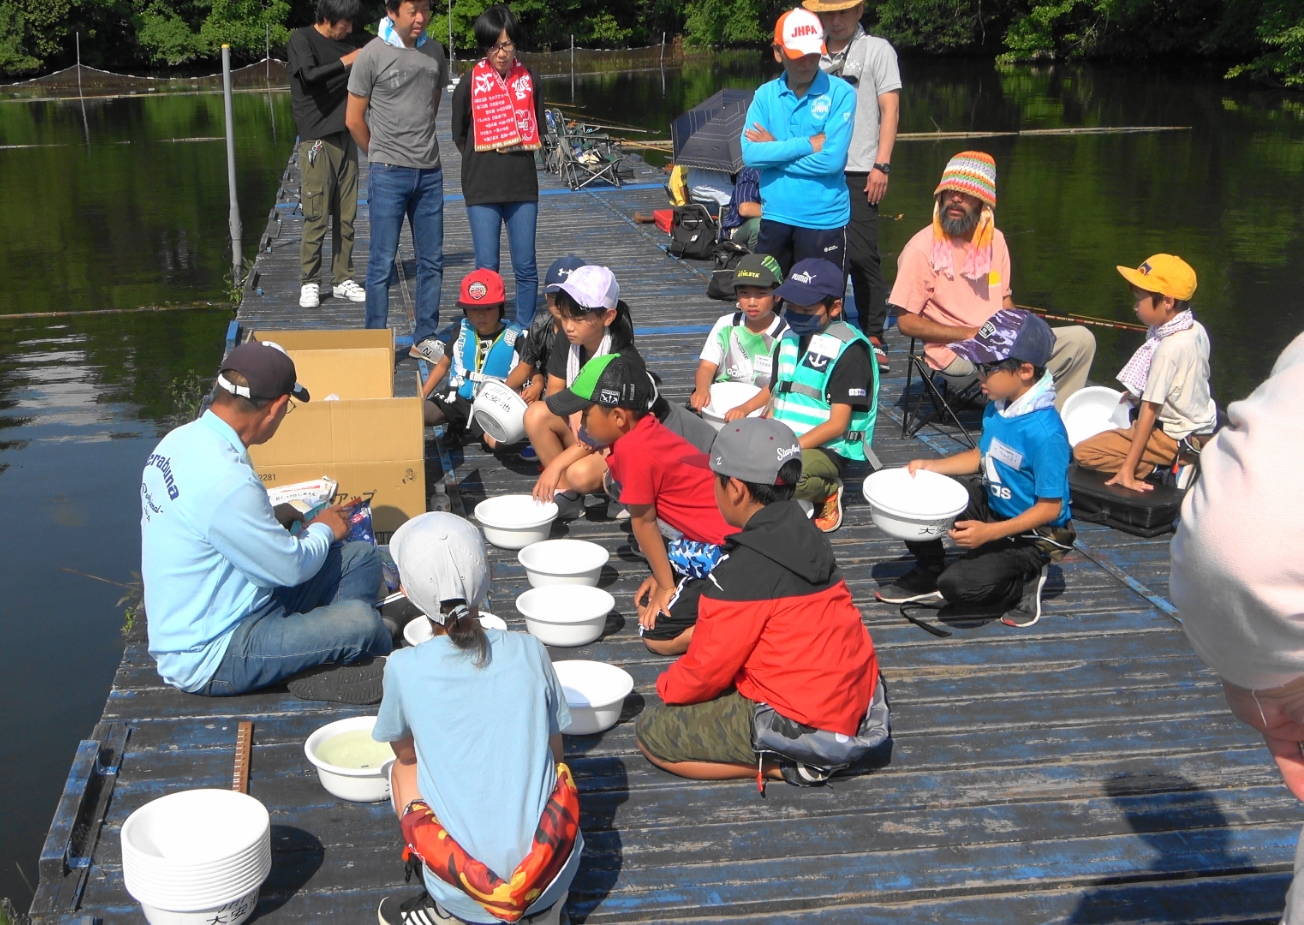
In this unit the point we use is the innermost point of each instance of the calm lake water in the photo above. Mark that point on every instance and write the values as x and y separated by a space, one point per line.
110 212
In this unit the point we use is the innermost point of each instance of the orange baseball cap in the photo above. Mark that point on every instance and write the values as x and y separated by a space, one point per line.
799 33
1164 274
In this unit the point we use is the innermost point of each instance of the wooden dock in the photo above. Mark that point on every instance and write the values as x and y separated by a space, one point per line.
1083 770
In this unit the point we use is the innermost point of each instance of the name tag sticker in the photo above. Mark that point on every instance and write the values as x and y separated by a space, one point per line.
993 278
824 346
763 365
1006 454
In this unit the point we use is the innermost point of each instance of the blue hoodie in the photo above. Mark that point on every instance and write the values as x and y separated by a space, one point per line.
798 186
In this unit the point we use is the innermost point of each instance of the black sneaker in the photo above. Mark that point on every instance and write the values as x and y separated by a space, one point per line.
416 910
359 684
919 585
803 775
1028 611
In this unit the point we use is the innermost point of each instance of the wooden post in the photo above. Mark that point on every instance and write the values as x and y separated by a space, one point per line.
244 744
237 262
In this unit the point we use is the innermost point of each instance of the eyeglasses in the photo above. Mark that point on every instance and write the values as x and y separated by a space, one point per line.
986 369
503 47
289 405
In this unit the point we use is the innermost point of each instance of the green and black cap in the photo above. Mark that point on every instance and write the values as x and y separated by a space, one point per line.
616 380
758 270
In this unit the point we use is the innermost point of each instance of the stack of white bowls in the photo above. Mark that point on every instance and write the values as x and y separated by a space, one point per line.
198 855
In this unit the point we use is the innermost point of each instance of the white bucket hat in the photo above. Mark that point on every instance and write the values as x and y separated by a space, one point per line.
440 557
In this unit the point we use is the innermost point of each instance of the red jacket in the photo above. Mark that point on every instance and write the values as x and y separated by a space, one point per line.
778 623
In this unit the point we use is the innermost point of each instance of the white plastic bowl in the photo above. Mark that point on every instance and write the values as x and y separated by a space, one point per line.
196 850
725 396
918 507
356 784
500 412
565 615
1092 411
232 913
563 562
595 694
515 521
418 628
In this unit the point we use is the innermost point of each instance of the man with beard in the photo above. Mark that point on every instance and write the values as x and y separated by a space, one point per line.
955 274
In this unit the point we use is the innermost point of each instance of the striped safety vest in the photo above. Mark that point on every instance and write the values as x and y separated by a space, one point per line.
802 384
501 359
739 365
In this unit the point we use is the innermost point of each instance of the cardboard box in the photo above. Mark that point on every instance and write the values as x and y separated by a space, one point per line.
371 443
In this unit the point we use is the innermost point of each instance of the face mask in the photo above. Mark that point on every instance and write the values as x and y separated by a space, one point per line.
587 438
802 324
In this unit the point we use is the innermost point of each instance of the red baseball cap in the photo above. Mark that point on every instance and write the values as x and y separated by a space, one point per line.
481 289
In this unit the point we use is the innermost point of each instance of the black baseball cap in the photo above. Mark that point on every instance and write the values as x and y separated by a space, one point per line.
615 380
758 270
266 367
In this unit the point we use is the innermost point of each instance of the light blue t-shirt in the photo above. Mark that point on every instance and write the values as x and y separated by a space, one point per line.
211 549
799 186
483 760
1024 458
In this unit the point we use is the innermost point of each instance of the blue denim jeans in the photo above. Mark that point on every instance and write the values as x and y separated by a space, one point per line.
393 192
328 618
486 221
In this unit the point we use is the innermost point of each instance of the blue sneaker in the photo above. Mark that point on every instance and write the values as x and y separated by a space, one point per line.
528 454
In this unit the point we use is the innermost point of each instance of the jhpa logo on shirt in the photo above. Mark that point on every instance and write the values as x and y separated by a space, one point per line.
477 291
820 106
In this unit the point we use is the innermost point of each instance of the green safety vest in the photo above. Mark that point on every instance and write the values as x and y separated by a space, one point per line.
801 384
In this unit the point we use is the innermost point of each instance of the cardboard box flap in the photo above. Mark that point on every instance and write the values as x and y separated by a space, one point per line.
359 373
359 431
328 339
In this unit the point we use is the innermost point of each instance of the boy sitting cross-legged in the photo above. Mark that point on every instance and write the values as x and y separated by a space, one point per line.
652 473
777 636
482 346
1017 521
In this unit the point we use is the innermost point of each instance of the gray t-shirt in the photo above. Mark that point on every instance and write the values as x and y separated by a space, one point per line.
402 84
869 64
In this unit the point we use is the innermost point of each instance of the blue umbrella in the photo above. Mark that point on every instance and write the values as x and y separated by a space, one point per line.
709 135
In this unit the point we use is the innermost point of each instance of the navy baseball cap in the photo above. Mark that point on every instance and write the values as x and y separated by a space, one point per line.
266 367
561 270
1010 334
812 280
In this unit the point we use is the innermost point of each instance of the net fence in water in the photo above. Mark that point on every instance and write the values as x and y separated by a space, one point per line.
274 73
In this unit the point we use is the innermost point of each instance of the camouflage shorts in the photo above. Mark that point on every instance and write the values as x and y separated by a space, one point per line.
718 730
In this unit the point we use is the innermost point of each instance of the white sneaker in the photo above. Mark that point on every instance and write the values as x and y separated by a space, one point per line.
310 296
349 290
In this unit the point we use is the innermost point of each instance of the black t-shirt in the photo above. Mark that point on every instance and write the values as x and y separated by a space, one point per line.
536 346
488 176
560 353
318 83
851 379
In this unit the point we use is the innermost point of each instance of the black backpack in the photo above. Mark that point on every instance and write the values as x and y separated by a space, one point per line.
692 232
726 255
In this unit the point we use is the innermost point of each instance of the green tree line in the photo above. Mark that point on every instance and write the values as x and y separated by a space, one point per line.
1260 38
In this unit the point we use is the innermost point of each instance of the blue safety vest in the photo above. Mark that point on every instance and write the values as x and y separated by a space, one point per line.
465 376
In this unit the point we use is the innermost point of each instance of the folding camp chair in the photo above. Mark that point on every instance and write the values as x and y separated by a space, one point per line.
912 421
584 165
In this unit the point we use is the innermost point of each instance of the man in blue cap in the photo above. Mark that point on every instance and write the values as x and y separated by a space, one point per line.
824 385
1017 521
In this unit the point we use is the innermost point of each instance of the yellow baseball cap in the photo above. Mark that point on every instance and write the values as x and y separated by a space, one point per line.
1165 274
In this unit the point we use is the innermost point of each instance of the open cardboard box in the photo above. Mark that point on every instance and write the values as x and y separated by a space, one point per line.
369 441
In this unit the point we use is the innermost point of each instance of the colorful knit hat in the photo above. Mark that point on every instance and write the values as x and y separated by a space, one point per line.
972 172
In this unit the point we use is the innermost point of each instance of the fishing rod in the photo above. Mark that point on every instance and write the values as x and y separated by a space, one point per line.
1085 319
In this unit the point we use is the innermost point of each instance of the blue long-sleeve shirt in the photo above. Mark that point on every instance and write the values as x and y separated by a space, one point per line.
211 549
799 186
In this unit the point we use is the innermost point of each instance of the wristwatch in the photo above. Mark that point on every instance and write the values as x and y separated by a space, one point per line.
886 168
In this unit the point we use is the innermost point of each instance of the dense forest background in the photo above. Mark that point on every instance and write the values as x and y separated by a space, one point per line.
1263 39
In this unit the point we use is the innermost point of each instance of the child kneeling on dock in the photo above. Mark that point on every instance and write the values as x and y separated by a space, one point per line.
1168 378
661 478
481 347
740 347
489 813
780 662
1017 521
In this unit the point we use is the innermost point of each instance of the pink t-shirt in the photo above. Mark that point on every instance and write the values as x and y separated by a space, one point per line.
955 301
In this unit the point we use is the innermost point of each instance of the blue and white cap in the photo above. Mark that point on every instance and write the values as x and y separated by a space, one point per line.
560 271
812 280
1010 334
